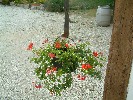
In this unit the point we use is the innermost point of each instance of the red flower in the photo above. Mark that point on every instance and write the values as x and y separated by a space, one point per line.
67 46
83 78
54 69
86 66
57 45
95 54
30 46
51 55
48 71
78 76
38 86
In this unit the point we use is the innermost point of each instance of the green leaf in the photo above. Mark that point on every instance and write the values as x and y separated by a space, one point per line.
59 72
37 71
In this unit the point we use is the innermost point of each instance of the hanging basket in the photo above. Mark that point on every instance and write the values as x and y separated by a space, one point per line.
59 59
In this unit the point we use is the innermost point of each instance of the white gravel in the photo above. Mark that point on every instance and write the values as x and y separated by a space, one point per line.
20 26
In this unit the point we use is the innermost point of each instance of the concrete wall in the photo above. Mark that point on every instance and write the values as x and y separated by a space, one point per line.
130 86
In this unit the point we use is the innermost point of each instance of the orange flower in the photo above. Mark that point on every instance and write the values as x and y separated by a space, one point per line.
58 45
86 66
49 71
67 46
95 54
51 55
54 69
30 46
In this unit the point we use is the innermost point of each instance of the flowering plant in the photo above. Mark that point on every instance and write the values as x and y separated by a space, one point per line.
57 62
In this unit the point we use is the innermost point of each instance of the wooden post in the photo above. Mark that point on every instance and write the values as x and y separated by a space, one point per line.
120 53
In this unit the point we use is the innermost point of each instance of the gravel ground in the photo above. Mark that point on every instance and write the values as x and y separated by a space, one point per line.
20 26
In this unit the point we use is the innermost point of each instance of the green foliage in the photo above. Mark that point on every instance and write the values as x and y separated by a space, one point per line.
42 1
89 4
55 5
29 1
21 1
37 1
5 2
58 60
17 1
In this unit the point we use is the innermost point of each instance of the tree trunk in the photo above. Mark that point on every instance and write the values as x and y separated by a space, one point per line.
120 53
66 25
